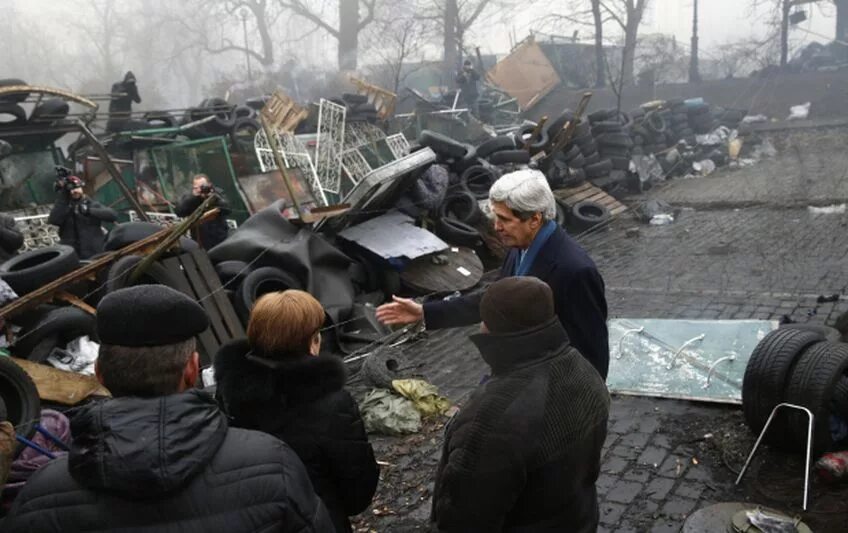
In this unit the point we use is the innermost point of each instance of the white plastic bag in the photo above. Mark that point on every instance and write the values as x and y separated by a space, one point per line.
799 112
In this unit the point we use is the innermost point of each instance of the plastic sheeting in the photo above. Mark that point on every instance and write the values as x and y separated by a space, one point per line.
388 414
268 239
424 395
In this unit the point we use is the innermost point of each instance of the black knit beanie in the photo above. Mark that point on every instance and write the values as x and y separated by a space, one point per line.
516 304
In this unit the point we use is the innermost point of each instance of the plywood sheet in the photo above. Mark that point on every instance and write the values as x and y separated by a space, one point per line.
526 74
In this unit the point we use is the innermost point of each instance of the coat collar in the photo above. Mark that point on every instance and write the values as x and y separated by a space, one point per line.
291 380
545 260
511 351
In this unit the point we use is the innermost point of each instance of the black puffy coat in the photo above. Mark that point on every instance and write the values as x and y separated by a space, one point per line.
168 464
523 454
211 233
302 401
10 238
80 224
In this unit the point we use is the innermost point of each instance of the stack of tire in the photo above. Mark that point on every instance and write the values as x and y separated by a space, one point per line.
801 365
681 120
611 131
650 131
13 115
48 327
567 167
701 119
473 170
236 121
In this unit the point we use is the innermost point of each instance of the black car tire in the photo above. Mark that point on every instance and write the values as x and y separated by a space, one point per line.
620 163
161 119
261 281
31 270
520 157
591 159
15 112
610 126
461 205
614 139
478 180
16 98
496 144
57 327
811 385
442 144
457 232
49 111
767 376
587 214
20 399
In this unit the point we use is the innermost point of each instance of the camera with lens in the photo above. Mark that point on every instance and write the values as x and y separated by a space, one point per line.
206 189
65 180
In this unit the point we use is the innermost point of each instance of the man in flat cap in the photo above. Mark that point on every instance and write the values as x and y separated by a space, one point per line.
159 456
524 452
524 212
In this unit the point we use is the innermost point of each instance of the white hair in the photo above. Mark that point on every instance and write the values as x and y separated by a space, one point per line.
526 192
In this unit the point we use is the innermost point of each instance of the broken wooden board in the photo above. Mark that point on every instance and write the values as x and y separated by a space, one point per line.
281 113
526 74
195 276
383 100
455 269
61 386
588 192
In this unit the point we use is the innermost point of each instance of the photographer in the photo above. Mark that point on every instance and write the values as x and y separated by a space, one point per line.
211 233
466 81
10 238
78 217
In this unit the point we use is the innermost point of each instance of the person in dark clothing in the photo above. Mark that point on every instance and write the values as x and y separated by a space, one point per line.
211 233
524 453
274 381
525 220
160 456
124 93
466 81
79 218
10 238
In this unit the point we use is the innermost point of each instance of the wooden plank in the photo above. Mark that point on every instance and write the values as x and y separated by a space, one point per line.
61 386
566 192
225 307
571 200
202 291
618 210
207 343
597 197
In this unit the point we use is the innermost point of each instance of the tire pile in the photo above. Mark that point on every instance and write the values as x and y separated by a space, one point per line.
239 122
48 327
14 116
800 365
244 284
474 169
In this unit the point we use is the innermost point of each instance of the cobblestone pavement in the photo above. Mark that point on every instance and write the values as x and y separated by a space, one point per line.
749 250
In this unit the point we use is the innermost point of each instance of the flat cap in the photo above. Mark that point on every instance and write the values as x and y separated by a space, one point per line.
149 315
516 304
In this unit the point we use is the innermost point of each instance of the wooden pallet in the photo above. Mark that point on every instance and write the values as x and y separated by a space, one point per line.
385 101
587 191
195 276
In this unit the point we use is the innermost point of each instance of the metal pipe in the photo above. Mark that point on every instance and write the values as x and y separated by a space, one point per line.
811 420
730 358
683 347
621 340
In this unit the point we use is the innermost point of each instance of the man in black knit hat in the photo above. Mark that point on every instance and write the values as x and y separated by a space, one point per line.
525 451
160 456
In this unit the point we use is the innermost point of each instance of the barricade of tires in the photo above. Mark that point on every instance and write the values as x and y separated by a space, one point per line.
14 115
47 327
800 365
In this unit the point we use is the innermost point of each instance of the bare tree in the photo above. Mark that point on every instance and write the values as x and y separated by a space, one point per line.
397 42
661 55
628 15
103 29
598 21
350 23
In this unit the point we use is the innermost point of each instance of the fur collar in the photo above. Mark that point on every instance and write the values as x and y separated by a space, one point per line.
293 381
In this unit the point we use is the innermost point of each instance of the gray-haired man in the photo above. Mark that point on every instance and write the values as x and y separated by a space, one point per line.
524 213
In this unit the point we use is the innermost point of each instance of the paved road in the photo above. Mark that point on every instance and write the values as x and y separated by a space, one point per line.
664 459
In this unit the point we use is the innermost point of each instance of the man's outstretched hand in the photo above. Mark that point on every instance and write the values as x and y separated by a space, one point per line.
401 311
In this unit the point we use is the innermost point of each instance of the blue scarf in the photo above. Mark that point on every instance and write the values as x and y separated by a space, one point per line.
525 261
